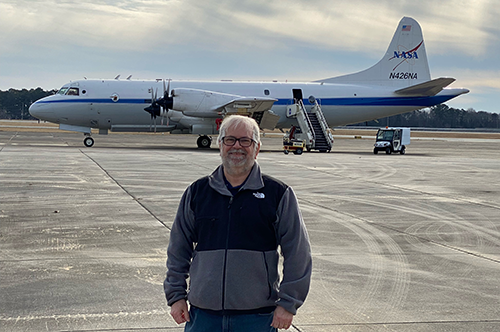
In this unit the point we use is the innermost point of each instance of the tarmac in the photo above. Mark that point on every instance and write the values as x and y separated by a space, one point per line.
399 242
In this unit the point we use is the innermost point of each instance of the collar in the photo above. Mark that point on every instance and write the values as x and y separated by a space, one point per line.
253 182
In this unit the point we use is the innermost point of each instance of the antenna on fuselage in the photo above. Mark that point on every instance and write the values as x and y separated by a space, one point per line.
129 77
117 77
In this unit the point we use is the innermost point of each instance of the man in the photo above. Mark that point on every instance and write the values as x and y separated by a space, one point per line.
225 238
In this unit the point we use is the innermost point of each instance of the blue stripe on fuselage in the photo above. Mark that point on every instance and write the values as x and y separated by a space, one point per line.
96 101
358 101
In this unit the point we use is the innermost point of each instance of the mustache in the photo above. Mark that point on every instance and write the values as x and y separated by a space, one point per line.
237 151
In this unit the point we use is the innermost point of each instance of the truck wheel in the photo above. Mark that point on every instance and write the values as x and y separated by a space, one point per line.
403 150
388 151
286 152
375 151
299 151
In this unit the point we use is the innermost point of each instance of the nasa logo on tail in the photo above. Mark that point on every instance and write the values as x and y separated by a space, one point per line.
408 56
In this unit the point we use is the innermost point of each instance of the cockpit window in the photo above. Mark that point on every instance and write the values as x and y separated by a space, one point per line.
63 90
70 91
73 92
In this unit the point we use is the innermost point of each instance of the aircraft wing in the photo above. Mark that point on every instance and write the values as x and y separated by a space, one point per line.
258 107
426 89
246 104
212 104
205 103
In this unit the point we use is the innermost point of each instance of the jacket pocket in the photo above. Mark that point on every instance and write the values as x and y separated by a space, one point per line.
250 277
269 284
205 283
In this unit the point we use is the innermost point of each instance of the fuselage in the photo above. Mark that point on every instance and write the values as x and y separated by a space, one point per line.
109 104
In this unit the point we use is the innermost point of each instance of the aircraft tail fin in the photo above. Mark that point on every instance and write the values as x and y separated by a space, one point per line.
404 63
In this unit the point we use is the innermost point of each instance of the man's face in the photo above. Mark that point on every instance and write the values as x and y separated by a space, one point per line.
237 158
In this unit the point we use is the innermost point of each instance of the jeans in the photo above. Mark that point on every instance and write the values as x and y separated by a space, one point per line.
201 321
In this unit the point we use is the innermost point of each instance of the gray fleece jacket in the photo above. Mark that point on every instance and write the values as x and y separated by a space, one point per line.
228 246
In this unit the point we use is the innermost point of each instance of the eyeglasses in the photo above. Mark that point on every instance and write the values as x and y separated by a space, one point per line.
231 141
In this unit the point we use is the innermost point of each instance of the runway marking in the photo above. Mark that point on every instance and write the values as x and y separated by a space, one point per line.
126 191
8 142
433 322
120 314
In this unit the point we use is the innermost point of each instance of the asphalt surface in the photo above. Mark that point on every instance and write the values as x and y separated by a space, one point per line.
400 242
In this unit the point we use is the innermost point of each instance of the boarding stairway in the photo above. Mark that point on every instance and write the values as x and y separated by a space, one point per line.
313 126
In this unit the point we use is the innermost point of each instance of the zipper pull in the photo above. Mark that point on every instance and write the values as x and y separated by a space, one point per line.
230 202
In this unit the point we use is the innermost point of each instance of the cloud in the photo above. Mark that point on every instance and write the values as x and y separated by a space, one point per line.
477 79
469 27
48 42
234 25
62 24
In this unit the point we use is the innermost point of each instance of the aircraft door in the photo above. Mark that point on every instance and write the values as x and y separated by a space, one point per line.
297 94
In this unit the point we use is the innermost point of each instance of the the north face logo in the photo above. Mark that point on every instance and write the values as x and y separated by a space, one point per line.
259 195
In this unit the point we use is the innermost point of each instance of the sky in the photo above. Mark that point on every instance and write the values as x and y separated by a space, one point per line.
47 43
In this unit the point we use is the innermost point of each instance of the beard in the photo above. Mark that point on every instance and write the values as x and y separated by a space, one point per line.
237 160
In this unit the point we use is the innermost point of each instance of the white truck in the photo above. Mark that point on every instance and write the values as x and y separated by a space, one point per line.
392 140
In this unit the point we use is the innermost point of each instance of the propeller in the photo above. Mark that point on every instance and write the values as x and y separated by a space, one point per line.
160 107
154 109
166 102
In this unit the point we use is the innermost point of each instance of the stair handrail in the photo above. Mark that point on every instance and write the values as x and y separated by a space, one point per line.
322 120
309 124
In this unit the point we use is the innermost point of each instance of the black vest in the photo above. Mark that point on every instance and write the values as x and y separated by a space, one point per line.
246 221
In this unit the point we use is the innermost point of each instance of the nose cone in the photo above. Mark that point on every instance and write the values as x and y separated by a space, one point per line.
42 110
35 110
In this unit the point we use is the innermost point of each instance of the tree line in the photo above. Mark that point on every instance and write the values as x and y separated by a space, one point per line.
14 104
440 116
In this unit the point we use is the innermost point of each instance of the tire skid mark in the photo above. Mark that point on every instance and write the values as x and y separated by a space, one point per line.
384 171
453 220
380 246
435 213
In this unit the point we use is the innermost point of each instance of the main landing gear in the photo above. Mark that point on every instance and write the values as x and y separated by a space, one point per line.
88 141
204 142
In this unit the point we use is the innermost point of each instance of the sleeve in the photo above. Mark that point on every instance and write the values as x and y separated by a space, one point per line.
180 251
296 250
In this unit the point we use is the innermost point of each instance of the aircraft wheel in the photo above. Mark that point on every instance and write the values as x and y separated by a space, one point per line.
88 142
388 151
403 150
204 142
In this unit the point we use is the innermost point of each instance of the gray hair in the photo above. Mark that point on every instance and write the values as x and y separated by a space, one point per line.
236 121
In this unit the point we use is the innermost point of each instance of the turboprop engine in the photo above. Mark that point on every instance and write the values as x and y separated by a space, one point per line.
201 103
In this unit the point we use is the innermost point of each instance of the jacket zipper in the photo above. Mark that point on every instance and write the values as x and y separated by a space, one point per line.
225 254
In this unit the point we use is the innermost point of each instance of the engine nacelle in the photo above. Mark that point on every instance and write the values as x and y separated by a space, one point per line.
199 103
204 129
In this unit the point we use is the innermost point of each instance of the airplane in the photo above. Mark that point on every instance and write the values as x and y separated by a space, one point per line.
400 82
